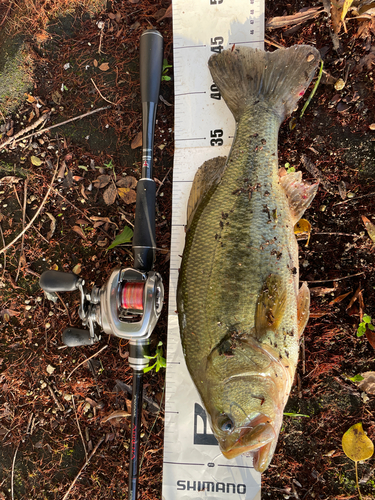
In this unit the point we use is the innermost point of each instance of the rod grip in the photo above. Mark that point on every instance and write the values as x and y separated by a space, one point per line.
144 245
151 64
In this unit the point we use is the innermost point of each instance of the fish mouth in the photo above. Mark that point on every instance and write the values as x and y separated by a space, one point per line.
253 436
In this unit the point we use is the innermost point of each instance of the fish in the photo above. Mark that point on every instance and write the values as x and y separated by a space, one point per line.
240 309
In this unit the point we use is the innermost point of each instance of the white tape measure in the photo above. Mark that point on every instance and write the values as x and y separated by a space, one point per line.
204 128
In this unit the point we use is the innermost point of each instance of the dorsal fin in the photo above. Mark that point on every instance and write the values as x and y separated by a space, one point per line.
208 175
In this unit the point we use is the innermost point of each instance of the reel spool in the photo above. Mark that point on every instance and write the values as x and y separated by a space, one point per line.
132 297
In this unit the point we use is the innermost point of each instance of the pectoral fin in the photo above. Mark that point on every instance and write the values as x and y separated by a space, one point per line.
300 194
303 307
270 306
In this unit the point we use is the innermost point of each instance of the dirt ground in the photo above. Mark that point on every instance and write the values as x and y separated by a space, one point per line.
52 420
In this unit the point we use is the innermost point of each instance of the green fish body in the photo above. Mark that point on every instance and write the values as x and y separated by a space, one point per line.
241 311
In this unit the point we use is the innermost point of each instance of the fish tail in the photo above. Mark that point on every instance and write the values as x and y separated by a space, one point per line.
246 77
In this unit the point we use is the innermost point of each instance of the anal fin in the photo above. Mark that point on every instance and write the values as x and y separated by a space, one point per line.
300 194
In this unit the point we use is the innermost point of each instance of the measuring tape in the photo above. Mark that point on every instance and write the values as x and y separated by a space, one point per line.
204 128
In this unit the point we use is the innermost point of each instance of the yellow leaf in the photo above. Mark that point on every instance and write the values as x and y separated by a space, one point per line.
104 67
370 227
303 228
356 445
36 161
77 269
54 267
345 8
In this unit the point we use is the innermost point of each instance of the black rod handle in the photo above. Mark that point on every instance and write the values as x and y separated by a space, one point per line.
136 415
151 67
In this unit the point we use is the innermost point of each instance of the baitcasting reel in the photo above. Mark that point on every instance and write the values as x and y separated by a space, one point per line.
127 306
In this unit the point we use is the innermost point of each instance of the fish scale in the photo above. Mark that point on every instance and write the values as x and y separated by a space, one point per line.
240 311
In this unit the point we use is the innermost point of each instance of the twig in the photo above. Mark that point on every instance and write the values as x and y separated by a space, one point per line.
162 182
12 475
28 218
82 468
101 95
5 254
354 199
79 427
12 141
6 14
58 404
36 213
274 44
334 279
23 227
88 359
153 425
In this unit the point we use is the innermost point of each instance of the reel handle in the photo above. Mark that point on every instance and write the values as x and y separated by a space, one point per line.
57 281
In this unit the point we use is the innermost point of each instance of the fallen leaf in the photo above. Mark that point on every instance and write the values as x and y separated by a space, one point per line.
300 17
30 98
137 141
167 15
102 243
56 97
110 194
370 227
303 228
128 182
370 335
356 445
355 297
368 382
104 67
52 227
321 290
36 161
77 269
102 220
68 180
127 195
50 369
79 231
102 181
61 172
9 179
116 414
339 298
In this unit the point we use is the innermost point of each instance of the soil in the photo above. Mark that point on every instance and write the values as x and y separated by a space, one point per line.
50 418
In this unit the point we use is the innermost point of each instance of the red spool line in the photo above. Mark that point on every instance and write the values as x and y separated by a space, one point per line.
132 296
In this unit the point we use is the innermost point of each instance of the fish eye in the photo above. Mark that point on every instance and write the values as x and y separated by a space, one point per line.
225 423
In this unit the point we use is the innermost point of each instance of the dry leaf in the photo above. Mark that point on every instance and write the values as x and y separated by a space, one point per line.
321 290
116 414
137 141
127 195
30 98
298 18
302 229
79 231
110 194
355 297
167 15
104 67
370 227
339 298
77 268
102 220
9 179
95 63
127 182
370 335
102 181
52 227
368 382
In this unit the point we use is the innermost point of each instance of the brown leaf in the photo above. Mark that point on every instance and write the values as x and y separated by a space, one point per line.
339 298
116 414
167 15
102 220
355 297
79 231
137 141
370 227
110 194
370 335
300 17
127 195
127 182
95 63
9 179
102 181
104 67
321 290
52 227
317 314
368 382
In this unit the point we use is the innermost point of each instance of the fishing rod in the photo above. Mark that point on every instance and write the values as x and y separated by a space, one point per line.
129 304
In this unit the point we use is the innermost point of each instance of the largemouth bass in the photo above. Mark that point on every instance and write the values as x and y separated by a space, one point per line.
241 311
